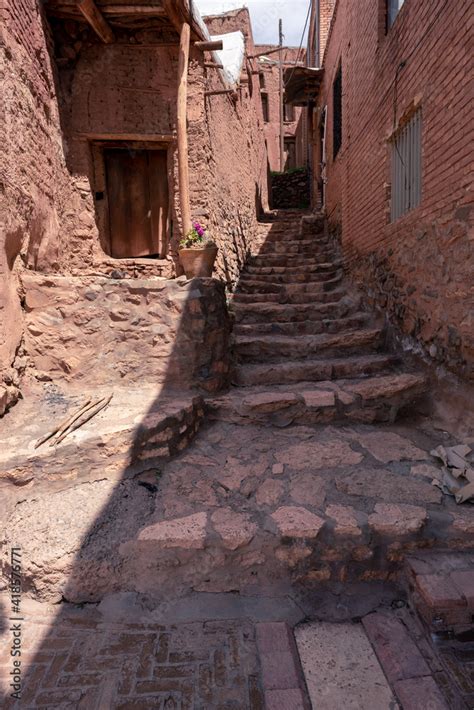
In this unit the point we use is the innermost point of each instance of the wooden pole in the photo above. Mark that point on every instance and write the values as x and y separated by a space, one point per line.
183 164
210 46
96 20
264 54
282 141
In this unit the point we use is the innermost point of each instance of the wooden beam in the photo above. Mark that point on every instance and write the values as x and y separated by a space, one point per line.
174 13
142 10
211 46
138 137
96 20
182 130
264 54
220 91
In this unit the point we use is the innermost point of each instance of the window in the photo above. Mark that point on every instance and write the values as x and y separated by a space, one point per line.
265 108
393 8
406 167
261 77
289 113
337 113
290 153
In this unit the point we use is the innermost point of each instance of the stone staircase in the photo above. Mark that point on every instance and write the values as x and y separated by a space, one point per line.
301 339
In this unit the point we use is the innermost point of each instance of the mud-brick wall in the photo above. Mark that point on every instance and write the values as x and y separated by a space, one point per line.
419 270
35 187
127 88
96 331
227 155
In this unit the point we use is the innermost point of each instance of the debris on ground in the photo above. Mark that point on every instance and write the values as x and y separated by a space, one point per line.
457 475
84 414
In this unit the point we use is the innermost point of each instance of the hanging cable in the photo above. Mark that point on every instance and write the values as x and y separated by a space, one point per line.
301 43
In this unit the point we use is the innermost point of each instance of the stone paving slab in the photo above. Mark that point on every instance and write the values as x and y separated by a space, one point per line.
341 668
242 507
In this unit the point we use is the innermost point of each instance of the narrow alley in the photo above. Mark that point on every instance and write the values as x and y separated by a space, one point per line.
236 384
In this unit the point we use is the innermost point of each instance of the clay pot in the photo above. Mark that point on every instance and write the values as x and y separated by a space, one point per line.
198 262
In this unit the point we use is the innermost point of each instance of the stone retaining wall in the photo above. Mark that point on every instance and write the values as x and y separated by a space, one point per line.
290 189
95 331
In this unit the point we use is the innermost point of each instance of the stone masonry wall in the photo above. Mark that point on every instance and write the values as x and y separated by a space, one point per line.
95 331
290 189
418 269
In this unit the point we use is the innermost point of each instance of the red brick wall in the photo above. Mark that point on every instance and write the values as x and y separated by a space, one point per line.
419 269
326 9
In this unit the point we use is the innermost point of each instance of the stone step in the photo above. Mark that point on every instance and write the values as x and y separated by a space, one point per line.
333 305
303 294
315 283
303 327
311 370
274 245
287 260
311 224
259 348
271 285
369 399
290 272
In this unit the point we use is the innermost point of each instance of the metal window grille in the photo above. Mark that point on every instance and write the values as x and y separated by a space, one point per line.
406 167
337 113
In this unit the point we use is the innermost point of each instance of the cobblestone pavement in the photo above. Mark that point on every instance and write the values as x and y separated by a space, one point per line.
78 661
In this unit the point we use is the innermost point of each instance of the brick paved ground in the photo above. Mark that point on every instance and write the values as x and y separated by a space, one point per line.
84 662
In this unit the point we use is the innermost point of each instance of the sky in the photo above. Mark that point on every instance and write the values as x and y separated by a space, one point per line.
265 15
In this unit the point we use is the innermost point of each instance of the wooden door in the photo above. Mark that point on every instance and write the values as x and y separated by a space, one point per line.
137 191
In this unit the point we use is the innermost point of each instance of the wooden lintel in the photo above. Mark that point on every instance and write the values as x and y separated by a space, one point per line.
96 20
142 10
138 137
211 46
219 92
209 65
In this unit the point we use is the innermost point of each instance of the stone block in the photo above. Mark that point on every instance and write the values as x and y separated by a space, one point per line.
235 529
297 522
397 520
439 591
188 532
463 580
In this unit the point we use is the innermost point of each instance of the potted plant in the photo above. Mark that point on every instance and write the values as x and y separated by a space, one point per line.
197 252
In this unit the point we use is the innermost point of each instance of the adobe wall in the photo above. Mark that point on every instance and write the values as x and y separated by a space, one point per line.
271 85
227 156
419 269
35 187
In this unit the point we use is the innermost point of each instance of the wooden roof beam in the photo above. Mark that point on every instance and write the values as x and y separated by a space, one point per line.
96 20
179 13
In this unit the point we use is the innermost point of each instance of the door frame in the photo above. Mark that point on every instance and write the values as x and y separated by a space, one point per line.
98 144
